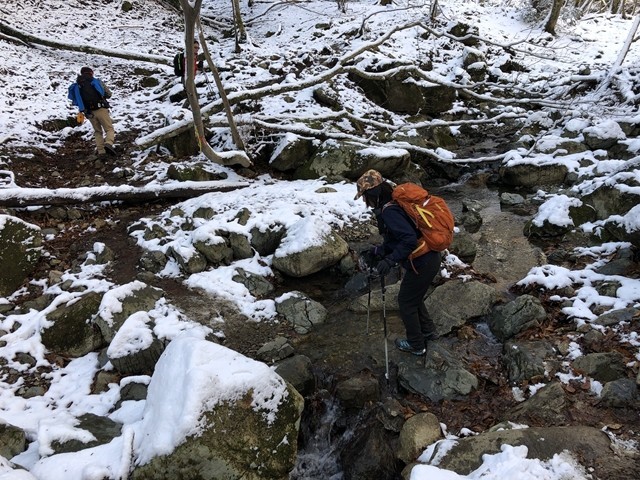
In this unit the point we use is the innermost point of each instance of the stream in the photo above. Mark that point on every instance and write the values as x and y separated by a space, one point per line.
347 344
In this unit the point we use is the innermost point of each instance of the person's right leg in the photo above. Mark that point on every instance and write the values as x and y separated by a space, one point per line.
102 114
413 288
97 133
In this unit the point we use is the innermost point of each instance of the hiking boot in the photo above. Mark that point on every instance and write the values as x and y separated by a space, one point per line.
111 150
404 346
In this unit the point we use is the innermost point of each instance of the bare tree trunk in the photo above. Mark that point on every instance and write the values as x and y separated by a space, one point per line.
241 32
190 17
552 19
433 10
235 134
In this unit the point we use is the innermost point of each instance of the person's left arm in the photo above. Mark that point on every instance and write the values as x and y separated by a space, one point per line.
403 232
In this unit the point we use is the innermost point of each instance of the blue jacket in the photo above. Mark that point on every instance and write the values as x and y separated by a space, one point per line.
400 235
76 98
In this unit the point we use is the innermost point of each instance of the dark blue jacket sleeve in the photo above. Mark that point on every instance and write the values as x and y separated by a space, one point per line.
400 236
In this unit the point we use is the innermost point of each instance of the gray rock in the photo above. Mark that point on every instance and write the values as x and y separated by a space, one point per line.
511 199
300 311
240 246
611 200
455 302
603 136
615 317
441 377
13 440
73 332
291 152
620 393
398 95
526 360
418 432
533 176
508 320
322 253
266 242
257 285
298 371
357 391
235 440
589 444
350 161
143 348
153 261
464 247
132 297
471 220
193 262
20 249
216 252
604 367
548 406
102 428
275 350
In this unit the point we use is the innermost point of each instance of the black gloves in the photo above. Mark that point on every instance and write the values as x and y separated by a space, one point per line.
384 266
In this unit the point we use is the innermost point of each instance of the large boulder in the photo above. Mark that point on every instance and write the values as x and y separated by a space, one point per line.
20 248
291 152
350 161
212 413
532 176
455 302
442 377
559 215
589 444
603 135
418 432
402 94
613 200
310 245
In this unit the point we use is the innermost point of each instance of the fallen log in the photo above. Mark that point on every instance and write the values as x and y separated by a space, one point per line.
29 197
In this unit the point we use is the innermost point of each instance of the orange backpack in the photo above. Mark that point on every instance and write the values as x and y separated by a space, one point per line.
431 215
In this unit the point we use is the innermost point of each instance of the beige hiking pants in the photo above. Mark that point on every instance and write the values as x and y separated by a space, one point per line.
101 120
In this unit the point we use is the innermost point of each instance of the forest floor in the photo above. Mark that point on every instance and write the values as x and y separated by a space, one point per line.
339 349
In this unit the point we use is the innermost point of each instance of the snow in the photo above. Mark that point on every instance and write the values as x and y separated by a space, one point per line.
192 372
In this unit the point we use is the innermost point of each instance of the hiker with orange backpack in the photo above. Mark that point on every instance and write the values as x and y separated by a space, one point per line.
406 245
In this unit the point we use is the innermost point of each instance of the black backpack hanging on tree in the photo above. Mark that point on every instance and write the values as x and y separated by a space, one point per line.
178 64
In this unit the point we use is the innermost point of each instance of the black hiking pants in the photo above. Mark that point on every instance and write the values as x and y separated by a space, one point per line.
413 289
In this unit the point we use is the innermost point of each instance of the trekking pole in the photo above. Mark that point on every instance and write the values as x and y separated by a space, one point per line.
369 298
384 321
209 87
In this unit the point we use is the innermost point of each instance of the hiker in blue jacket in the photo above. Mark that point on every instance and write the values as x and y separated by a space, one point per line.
90 95
400 240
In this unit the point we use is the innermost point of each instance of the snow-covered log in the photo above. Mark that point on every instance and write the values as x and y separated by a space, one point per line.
26 197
